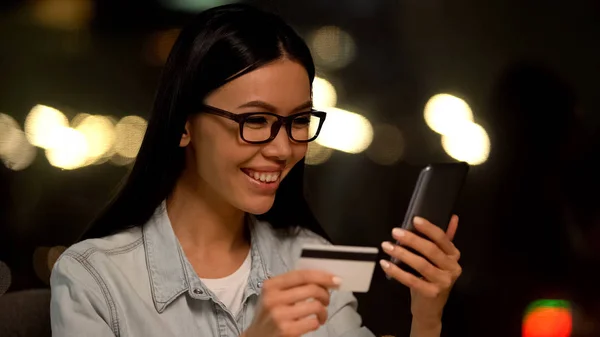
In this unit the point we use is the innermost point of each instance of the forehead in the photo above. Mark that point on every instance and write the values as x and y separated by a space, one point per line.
284 84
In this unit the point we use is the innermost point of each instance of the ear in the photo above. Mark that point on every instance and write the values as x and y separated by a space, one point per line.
186 137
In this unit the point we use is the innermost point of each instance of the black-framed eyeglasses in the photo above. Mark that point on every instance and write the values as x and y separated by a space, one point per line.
263 127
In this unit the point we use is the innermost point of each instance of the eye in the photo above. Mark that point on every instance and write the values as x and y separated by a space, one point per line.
256 121
301 121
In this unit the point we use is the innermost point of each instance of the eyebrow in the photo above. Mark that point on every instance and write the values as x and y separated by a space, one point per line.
270 107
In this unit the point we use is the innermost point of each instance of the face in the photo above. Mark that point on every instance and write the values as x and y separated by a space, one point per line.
226 168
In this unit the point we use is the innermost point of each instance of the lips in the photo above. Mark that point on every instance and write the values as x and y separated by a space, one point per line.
265 177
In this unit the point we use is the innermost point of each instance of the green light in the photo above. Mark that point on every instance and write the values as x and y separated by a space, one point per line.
194 6
547 303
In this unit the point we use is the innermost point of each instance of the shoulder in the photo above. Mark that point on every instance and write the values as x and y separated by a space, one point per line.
109 245
96 257
84 280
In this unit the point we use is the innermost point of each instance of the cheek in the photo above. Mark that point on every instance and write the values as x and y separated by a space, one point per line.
219 159
213 149
298 152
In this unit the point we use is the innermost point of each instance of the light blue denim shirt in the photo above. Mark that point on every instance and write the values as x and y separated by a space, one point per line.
140 283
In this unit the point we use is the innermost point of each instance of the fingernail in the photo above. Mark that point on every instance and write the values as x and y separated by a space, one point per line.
384 264
387 246
337 280
418 221
398 232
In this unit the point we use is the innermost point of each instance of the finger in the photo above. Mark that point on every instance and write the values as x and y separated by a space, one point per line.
301 277
424 267
307 308
300 327
301 310
452 227
425 247
305 292
435 234
409 280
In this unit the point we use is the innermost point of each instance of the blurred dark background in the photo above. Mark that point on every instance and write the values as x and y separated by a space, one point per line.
530 225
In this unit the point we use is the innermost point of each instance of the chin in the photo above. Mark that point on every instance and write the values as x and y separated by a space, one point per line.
258 205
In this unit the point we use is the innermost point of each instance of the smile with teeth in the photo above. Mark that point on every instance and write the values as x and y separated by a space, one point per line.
263 177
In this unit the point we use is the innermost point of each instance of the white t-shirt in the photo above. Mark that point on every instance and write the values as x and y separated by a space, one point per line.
230 289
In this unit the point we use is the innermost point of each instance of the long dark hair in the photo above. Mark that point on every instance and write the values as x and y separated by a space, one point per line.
218 46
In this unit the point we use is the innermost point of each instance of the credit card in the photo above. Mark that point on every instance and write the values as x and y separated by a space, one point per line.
354 265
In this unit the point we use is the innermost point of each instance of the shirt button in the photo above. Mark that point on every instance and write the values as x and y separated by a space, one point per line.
259 284
198 291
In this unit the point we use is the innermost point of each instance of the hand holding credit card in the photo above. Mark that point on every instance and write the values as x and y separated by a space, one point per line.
354 265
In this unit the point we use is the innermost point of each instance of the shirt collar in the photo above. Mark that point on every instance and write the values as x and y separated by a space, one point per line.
164 259
171 273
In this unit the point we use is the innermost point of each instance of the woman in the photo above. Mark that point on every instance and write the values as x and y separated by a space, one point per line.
179 252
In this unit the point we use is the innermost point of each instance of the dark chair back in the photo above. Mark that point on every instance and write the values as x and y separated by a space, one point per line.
25 313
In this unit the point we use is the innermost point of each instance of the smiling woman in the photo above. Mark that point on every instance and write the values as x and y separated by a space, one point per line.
202 238
198 218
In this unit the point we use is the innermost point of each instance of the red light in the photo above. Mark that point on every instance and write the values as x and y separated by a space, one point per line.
548 322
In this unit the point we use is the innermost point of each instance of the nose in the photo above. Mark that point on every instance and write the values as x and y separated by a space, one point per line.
279 148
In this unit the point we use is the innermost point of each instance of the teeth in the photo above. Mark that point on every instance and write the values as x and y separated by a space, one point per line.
264 177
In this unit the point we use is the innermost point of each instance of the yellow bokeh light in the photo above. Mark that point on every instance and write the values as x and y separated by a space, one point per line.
119 160
345 131
40 263
467 142
130 132
444 112
15 150
80 117
332 47
72 15
317 154
42 124
9 133
20 155
70 150
99 133
53 254
159 45
324 94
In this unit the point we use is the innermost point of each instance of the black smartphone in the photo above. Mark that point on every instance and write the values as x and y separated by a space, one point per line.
434 197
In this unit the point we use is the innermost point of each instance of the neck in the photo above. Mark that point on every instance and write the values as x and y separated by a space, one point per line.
205 224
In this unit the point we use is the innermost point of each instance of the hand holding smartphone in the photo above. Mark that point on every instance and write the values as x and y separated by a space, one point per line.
434 197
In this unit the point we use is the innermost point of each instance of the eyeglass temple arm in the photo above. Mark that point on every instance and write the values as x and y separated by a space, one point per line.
222 113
